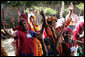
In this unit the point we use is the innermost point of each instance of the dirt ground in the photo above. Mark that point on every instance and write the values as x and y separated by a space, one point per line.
7 44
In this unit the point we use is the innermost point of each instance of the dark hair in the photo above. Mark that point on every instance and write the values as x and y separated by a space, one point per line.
30 9
31 17
48 41
49 22
21 22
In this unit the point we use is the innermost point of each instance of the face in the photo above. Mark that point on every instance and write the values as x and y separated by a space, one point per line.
68 35
24 25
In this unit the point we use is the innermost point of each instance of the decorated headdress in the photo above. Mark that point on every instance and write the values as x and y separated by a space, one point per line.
52 19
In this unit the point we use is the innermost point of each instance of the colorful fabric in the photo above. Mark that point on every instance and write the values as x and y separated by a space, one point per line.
45 34
3 52
68 21
23 44
67 29
36 26
38 47
30 14
67 48
52 19
25 12
24 18
59 45
80 51
49 33
74 17
77 29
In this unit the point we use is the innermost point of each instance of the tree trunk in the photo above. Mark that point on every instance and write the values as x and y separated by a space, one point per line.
62 10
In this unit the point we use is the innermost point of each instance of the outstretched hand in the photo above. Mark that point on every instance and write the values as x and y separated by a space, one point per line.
71 6
43 16
42 12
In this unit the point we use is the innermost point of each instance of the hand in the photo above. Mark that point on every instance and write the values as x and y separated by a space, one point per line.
71 6
41 12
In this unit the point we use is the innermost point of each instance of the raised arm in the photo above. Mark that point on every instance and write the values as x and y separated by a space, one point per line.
39 37
43 23
70 13
68 19
8 33
61 32
43 17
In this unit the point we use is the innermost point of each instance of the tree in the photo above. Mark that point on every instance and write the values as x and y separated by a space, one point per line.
81 7
62 10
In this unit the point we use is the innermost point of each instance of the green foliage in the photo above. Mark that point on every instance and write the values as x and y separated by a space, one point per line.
47 10
50 11
30 3
14 3
81 6
66 10
74 2
9 23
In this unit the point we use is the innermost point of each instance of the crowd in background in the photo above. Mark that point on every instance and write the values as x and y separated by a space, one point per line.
39 35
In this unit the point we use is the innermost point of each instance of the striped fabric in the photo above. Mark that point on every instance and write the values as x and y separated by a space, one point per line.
59 46
38 47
